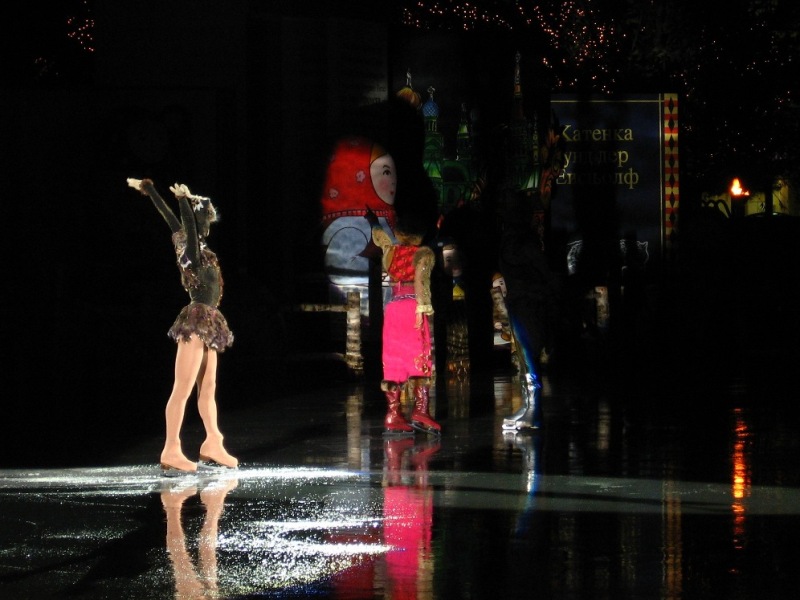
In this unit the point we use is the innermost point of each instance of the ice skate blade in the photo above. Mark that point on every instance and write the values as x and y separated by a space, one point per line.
168 470
397 433
207 463
424 429
518 426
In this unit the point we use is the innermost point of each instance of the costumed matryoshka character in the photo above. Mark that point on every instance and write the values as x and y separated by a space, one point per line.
361 176
407 356
200 331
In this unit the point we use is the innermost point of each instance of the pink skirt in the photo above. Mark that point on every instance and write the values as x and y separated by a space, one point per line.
406 350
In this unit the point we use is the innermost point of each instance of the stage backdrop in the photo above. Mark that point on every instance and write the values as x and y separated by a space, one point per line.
619 186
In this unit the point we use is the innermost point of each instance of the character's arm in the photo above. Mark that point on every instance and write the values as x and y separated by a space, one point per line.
146 187
183 195
379 235
381 239
424 260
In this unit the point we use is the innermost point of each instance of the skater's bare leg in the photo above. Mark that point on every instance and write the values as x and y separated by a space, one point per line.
187 364
212 449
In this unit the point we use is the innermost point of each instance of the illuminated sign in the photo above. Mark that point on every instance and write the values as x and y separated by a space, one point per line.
620 179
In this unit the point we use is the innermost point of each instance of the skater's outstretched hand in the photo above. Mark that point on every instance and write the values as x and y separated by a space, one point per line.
135 183
180 190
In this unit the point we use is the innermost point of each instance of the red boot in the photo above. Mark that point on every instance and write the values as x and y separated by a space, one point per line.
420 417
394 423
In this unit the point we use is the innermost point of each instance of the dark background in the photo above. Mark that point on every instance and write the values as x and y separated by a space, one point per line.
239 101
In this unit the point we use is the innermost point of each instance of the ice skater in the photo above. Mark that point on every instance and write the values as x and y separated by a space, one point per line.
200 331
531 288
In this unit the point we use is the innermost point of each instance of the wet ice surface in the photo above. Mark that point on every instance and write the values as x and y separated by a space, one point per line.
129 533
605 502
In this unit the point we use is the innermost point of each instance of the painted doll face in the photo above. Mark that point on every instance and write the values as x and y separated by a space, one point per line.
499 282
360 175
452 260
384 177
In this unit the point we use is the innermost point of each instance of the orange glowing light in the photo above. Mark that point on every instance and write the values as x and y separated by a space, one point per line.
741 478
736 188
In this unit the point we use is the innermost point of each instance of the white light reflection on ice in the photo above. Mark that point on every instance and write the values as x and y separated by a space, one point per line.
136 478
319 523
467 489
272 528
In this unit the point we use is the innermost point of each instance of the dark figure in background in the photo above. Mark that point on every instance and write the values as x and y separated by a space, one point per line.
530 300
200 330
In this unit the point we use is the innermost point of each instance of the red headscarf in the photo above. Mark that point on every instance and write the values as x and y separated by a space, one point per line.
348 189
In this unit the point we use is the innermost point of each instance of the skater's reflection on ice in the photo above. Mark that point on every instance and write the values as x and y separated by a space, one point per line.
529 444
194 580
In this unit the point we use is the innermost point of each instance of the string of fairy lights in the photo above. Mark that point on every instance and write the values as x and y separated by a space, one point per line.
80 26
579 35
575 33
726 61
467 16
692 48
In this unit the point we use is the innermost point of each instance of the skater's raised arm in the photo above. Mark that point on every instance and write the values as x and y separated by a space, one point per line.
184 196
146 187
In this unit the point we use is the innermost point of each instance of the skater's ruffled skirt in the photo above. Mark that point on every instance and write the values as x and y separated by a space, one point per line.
205 321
